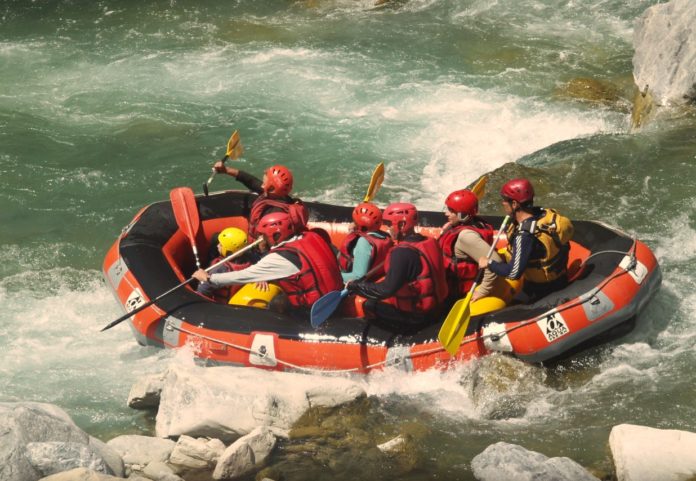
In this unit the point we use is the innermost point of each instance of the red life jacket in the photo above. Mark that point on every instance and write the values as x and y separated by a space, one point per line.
294 207
381 245
223 294
319 273
461 273
429 289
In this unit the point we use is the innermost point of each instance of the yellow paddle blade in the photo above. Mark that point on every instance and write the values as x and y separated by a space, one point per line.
455 325
234 147
375 182
479 188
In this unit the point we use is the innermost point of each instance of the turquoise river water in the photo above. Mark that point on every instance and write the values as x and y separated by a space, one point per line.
106 106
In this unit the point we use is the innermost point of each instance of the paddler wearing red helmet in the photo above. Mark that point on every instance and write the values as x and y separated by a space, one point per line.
538 244
301 263
414 286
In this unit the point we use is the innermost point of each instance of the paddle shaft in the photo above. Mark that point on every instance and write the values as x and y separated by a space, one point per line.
187 281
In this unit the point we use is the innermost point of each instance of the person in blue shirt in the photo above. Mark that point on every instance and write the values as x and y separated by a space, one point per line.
366 246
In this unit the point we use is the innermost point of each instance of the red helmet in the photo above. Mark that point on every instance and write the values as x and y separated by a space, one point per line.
462 202
367 216
401 214
520 190
278 181
276 227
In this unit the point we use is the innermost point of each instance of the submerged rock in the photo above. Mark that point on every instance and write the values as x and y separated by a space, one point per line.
504 462
645 454
665 52
594 91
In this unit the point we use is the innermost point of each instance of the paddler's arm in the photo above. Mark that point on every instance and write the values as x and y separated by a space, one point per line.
404 267
270 268
471 244
521 250
250 181
361 260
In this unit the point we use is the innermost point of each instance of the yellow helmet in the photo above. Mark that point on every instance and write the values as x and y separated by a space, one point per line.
231 240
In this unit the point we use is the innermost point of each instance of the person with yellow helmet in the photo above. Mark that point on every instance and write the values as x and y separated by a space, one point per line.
229 241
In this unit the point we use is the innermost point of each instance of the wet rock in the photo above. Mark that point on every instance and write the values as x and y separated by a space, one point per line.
594 91
159 471
141 450
55 457
39 439
80 474
145 393
503 462
665 52
245 455
503 387
645 454
227 402
196 454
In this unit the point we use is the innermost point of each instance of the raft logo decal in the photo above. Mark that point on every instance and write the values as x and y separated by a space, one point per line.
134 301
553 326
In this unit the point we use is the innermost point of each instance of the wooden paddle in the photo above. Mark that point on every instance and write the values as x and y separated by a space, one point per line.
234 150
457 321
375 182
186 214
187 281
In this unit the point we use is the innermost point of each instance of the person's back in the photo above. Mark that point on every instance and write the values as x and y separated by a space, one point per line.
414 286
366 246
464 239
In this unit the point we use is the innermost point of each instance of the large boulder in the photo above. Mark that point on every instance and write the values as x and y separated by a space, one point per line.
664 40
245 455
645 454
41 439
228 402
504 462
139 451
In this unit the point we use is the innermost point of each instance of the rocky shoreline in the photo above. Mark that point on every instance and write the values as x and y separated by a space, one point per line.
223 423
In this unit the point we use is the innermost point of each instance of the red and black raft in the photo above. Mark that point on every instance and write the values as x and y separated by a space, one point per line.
614 277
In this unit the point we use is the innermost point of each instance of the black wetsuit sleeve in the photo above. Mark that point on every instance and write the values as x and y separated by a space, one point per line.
521 250
251 182
404 267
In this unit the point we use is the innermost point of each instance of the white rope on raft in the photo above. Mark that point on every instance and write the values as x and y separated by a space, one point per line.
303 368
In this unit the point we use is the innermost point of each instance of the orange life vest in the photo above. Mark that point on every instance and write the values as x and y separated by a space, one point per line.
429 289
380 242
461 272
319 273
294 207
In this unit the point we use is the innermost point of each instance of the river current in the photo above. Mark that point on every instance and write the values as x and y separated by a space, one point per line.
106 106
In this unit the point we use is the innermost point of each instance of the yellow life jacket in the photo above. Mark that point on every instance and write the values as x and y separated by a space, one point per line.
555 232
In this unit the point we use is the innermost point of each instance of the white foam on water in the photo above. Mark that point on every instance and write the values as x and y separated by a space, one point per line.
468 132
435 391
52 349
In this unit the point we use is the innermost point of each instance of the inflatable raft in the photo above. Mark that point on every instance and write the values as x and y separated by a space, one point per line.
614 276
